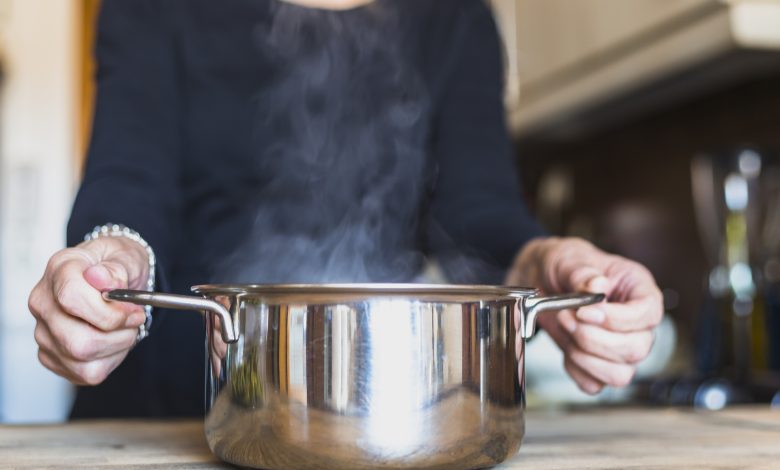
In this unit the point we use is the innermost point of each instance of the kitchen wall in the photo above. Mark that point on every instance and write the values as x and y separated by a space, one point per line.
38 147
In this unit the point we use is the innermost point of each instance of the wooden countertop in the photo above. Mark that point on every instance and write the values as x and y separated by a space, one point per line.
588 439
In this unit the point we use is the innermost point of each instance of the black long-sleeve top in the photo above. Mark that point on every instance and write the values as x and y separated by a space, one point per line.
226 132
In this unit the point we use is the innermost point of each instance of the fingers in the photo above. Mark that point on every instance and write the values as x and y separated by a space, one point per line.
593 356
51 362
587 347
85 355
125 260
635 304
576 265
601 343
605 372
635 315
106 276
587 278
79 341
597 284
77 297
585 381
548 321
625 348
94 372
571 264
80 336
87 373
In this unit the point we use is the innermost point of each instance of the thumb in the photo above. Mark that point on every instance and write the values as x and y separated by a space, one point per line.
598 284
106 275
586 278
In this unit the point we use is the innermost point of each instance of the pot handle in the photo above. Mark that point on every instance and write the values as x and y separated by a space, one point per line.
178 302
533 306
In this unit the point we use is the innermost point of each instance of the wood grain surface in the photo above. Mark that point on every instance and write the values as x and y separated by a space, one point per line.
587 439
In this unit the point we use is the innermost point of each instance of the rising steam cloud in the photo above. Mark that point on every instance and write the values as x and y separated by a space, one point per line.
346 163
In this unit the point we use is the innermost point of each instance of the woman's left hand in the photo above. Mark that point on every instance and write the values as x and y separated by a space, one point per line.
603 343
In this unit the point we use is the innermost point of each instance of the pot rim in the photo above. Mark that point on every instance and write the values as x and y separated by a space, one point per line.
383 289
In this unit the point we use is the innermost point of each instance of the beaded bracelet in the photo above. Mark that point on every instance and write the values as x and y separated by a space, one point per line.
117 230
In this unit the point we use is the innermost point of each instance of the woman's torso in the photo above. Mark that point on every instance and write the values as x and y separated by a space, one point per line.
305 155
308 130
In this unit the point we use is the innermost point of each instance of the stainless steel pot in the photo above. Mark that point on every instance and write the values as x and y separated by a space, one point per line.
364 376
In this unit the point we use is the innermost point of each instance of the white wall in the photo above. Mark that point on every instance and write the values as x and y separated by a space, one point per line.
38 130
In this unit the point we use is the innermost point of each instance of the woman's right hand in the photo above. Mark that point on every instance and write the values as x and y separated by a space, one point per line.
80 336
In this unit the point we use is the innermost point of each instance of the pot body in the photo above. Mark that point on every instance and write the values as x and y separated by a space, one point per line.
359 376
373 382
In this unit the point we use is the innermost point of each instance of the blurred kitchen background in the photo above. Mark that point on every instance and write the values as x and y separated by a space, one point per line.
649 127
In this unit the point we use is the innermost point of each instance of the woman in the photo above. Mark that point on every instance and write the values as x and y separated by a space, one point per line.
313 141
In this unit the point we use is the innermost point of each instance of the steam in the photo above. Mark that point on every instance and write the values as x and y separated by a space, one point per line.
345 167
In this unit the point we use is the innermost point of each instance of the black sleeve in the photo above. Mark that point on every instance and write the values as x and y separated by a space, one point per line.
477 208
132 169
